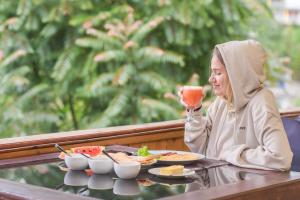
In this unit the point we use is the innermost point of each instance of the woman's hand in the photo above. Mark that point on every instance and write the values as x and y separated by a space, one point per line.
182 99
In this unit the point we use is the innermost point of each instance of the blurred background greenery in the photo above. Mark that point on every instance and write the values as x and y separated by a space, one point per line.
72 64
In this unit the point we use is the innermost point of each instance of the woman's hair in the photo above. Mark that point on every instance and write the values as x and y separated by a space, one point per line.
228 92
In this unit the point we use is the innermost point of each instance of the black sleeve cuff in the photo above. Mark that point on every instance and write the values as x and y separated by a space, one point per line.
196 109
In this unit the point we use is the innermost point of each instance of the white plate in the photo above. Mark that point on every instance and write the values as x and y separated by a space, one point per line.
174 162
186 172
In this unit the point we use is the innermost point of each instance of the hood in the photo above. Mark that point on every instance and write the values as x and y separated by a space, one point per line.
244 62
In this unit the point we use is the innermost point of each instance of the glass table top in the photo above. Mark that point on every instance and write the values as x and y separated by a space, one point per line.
109 186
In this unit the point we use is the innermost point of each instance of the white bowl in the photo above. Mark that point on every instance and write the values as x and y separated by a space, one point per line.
100 182
126 187
128 169
76 178
101 164
76 162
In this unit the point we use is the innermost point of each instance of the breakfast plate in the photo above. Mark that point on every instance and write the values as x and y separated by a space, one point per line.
185 173
145 164
176 157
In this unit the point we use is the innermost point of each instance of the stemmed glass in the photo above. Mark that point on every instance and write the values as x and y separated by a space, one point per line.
191 96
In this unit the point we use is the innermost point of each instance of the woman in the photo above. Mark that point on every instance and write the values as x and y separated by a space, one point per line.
243 125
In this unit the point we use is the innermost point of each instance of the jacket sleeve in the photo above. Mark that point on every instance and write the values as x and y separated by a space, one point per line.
197 131
273 151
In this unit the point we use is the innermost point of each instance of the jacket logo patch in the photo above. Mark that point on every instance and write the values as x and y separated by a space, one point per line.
243 128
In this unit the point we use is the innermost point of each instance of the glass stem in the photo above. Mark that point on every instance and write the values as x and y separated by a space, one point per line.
190 115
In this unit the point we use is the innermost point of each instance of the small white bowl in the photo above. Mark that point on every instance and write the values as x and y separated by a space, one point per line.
76 178
128 169
76 162
101 182
101 164
126 187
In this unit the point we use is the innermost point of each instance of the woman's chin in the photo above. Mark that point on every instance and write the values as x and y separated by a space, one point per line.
217 93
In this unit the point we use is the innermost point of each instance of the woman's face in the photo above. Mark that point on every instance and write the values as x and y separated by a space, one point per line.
218 78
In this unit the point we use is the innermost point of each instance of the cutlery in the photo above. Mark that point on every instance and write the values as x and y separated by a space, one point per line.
86 156
62 150
59 186
104 152
81 191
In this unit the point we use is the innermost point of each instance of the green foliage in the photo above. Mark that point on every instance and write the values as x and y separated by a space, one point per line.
282 43
293 45
79 64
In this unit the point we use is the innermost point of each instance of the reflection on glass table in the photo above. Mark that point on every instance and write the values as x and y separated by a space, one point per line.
101 182
108 186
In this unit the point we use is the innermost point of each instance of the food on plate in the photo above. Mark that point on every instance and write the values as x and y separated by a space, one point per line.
90 150
150 158
178 157
122 157
172 170
143 151
145 160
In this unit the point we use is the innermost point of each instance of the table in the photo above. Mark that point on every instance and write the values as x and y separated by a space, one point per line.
44 180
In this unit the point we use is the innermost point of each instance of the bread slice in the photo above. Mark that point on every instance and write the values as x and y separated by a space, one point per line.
171 170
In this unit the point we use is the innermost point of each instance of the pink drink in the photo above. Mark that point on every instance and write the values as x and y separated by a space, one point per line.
192 95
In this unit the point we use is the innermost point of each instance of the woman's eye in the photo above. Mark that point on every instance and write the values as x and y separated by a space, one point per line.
216 74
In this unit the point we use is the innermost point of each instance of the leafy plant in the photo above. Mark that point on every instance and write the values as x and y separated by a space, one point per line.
127 68
94 63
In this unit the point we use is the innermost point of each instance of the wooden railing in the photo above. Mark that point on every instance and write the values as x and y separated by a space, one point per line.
290 113
161 135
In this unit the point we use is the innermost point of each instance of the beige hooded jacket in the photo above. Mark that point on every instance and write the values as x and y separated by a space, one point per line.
250 134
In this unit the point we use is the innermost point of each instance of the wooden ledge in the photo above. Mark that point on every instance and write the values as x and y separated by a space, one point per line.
292 113
71 136
159 135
